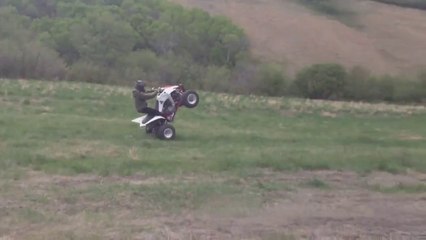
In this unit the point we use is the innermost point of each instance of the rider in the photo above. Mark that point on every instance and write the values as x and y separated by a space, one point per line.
140 96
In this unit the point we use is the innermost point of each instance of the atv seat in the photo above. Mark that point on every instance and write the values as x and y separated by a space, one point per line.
150 114
147 118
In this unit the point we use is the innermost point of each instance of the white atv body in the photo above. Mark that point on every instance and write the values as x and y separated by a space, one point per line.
168 101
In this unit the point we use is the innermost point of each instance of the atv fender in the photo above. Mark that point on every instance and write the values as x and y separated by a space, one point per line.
141 123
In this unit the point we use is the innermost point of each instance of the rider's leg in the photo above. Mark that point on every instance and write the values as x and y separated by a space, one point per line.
151 111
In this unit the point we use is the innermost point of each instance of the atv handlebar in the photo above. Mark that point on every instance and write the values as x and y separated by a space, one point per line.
160 89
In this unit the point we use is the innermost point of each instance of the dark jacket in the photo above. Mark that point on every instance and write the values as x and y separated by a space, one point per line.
141 97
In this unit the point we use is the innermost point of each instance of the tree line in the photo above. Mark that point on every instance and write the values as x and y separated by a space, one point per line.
114 41
119 41
419 4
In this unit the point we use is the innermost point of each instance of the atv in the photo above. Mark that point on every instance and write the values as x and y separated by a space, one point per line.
169 99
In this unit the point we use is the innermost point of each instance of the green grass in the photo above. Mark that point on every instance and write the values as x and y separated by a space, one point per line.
72 128
74 166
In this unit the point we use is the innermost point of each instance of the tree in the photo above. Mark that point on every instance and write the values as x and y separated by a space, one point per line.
103 38
21 54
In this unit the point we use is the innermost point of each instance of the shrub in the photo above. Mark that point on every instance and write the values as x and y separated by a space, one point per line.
323 6
419 94
321 81
357 85
422 80
216 79
361 86
243 78
271 80
337 9
420 4
89 72
29 60
384 87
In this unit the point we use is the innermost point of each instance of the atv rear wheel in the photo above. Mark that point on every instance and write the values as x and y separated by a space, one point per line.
149 129
166 132
190 99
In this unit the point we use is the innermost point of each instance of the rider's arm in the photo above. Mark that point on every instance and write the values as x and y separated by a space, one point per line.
148 95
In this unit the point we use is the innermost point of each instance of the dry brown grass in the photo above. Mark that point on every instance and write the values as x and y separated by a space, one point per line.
391 39
324 107
411 137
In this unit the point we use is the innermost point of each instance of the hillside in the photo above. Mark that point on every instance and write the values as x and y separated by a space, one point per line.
386 39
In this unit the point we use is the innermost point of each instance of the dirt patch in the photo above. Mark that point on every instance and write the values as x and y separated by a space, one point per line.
312 213
80 149
387 180
328 114
347 209
411 137
34 179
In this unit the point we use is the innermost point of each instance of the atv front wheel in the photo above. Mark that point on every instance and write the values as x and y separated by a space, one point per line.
190 99
166 132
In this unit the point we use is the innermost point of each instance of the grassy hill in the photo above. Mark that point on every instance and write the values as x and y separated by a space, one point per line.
72 165
384 38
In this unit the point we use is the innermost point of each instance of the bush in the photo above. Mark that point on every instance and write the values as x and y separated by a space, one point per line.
361 86
142 64
337 9
357 85
29 60
321 81
409 91
244 77
216 79
412 90
323 6
89 72
422 80
420 4
271 80
21 54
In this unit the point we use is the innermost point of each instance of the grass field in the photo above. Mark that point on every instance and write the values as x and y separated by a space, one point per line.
73 166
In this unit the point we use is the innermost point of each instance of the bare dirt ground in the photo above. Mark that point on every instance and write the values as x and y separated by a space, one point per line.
337 205
388 39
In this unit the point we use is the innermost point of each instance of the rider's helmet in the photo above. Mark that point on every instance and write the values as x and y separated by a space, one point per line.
140 86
